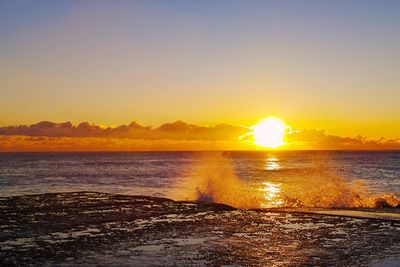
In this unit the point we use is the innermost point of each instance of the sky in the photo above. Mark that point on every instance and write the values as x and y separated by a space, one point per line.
331 65
65 136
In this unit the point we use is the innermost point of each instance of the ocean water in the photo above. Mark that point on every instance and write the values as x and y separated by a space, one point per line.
277 177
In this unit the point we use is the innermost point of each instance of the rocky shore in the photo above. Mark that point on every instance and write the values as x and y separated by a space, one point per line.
98 229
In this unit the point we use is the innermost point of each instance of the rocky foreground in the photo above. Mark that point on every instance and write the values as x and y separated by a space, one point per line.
88 228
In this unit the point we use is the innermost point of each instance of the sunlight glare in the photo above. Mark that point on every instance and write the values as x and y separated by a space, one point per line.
271 194
269 132
272 164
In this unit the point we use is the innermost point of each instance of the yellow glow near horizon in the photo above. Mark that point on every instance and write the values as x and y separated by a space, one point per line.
269 132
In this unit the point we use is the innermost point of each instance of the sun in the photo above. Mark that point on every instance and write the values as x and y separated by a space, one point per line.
269 132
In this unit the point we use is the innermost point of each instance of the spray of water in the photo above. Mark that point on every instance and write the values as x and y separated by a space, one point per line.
213 179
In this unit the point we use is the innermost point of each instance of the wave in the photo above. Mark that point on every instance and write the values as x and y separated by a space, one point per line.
213 179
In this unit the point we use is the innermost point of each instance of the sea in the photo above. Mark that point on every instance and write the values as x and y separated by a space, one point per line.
279 178
295 208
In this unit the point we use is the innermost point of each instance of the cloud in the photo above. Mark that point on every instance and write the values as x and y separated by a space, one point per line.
182 130
66 129
319 139
178 130
50 136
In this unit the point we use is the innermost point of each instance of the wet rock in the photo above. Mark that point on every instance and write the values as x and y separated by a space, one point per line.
382 203
89 228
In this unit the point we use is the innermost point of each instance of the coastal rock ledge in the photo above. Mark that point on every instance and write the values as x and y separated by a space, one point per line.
89 228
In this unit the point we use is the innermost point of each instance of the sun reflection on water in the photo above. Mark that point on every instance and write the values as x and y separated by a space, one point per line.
272 164
272 195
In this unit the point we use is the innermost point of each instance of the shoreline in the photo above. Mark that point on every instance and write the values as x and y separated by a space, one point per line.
90 228
386 213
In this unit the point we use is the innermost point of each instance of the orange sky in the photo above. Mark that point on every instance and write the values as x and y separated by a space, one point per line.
316 64
49 136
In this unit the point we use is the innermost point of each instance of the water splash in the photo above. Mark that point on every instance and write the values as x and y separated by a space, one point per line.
213 179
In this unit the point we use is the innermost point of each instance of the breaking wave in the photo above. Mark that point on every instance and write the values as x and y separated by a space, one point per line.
213 179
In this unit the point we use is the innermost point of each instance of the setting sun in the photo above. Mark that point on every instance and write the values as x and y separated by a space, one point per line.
269 132
176 133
